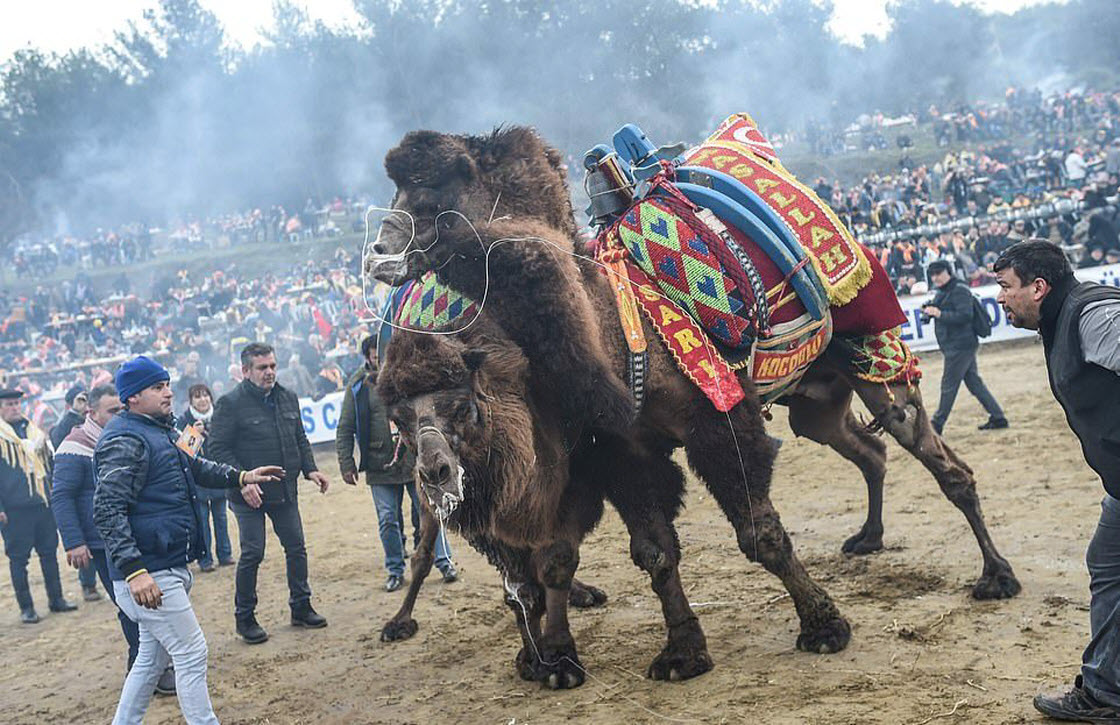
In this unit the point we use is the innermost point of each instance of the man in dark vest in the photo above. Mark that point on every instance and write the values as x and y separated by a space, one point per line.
144 507
1080 328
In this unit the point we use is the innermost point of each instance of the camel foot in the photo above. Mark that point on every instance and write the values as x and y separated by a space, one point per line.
1000 585
585 596
863 542
557 668
833 636
685 656
396 630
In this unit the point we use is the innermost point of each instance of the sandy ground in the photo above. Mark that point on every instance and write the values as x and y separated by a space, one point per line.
921 647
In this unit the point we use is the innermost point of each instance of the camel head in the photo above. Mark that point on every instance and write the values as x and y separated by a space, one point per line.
509 173
441 393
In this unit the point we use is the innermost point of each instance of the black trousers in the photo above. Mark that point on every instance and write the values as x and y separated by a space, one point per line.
289 529
32 528
960 365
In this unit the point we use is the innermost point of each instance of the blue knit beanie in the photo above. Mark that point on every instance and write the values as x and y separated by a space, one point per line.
137 374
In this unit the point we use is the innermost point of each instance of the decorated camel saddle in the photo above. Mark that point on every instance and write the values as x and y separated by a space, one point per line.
736 264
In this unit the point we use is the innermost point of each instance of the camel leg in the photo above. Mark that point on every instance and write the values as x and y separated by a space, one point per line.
830 421
402 625
734 457
906 419
647 488
558 667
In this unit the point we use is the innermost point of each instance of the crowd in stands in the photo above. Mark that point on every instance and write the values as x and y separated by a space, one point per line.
972 204
316 316
39 257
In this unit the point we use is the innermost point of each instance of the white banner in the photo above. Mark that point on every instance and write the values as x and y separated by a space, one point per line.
919 335
320 417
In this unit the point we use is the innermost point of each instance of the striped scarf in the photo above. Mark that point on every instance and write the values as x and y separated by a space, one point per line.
31 455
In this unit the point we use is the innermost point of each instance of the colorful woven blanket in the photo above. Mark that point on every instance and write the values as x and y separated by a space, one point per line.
671 247
738 149
882 358
429 305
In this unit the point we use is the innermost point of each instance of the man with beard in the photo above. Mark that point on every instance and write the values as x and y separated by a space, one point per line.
1080 328
144 510
258 423
72 501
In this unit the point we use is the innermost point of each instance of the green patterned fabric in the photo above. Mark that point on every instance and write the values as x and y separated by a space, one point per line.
686 270
429 305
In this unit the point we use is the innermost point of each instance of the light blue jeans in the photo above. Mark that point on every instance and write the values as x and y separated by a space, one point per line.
388 500
168 635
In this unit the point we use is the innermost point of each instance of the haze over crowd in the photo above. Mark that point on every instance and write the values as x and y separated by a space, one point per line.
170 119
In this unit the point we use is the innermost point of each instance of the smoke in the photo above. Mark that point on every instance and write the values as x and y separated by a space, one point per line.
170 123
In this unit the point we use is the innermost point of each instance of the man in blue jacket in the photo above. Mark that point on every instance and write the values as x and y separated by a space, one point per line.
144 509
72 501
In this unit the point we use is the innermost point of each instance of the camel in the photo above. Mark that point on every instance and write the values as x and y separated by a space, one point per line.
493 466
491 216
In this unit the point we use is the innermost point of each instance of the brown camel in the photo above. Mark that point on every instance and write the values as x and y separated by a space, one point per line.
530 265
492 465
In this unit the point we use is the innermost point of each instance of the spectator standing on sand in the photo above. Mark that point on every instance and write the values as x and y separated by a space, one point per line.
388 468
72 501
1080 328
26 521
258 423
211 502
952 313
144 510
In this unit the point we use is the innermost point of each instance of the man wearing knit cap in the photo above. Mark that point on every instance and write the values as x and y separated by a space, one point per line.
144 509
25 519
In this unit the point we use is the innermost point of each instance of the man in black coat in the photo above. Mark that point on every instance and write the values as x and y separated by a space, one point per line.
26 521
1080 328
77 403
952 311
258 423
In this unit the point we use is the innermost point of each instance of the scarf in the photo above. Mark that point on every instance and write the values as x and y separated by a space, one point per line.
204 417
30 455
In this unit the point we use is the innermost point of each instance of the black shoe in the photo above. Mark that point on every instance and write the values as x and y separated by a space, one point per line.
61 605
450 575
305 616
1076 705
206 567
90 594
394 582
994 424
227 562
250 631
166 683
28 616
